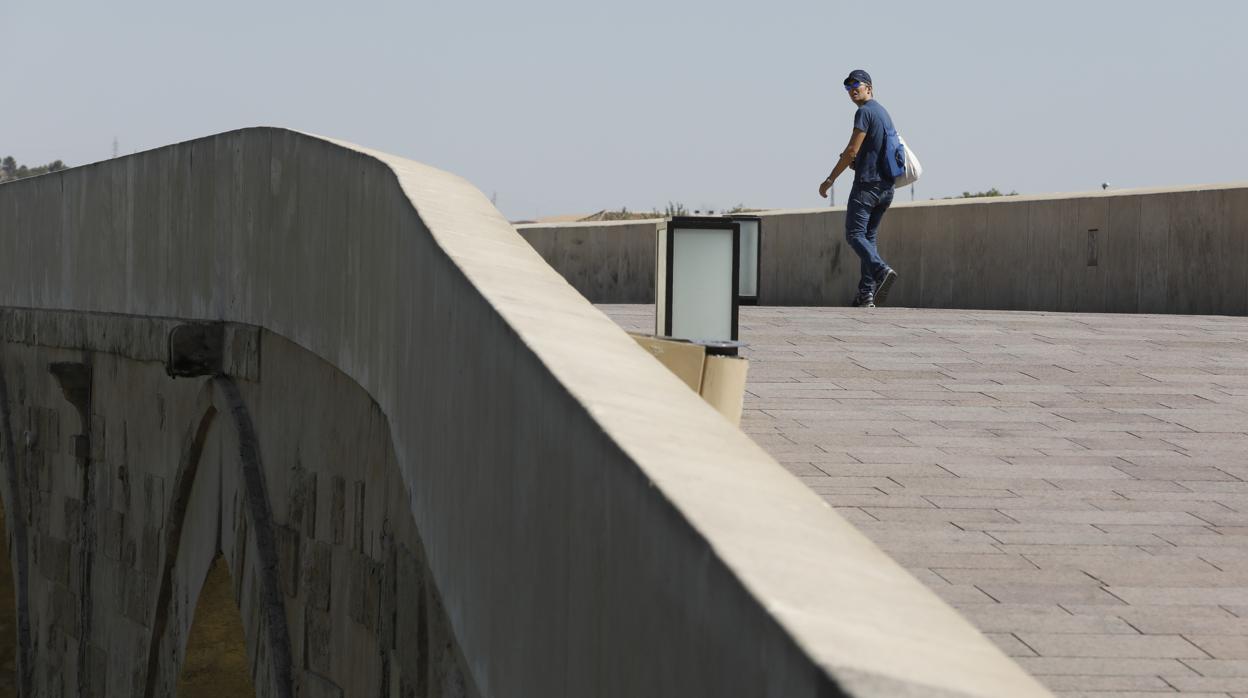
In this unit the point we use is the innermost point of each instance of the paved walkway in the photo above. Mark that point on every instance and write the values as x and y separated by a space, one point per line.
1076 484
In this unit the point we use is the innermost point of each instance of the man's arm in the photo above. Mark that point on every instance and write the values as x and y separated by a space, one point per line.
847 159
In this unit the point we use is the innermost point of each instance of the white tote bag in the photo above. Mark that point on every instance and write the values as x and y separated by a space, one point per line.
913 169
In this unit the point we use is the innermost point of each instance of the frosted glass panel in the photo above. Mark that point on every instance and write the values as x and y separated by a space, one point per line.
702 283
748 285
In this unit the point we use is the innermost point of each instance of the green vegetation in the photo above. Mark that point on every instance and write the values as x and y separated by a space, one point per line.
10 170
980 194
673 208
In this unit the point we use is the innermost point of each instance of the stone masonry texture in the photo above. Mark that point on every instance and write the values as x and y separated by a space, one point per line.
155 523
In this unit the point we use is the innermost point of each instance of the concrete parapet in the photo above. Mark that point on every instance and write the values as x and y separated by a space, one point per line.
1177 250
607 262
592 526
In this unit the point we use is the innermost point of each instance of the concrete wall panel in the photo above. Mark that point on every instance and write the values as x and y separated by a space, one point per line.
1120 253
1155 254
939 272
1231 248
1237 221
904 250
614 261
1083 286
1155 250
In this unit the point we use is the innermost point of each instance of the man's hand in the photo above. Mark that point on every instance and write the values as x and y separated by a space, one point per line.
845 162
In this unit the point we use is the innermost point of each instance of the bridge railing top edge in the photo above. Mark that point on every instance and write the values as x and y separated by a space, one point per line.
762 521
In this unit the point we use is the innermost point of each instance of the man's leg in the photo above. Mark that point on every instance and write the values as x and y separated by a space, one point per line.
858 213
882 275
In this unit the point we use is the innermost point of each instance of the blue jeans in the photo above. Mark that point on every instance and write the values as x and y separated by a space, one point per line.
867 203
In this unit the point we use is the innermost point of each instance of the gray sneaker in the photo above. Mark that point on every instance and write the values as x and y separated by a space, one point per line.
863 301
883 283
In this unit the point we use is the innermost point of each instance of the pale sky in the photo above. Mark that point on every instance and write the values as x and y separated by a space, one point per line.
570 106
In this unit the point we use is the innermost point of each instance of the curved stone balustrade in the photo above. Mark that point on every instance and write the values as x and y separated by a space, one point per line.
593 528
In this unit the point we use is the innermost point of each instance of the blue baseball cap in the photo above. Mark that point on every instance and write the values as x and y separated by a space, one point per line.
858 75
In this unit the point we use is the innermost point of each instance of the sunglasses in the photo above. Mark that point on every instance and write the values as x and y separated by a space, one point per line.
853 86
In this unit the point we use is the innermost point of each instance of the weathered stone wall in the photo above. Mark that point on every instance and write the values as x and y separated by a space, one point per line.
593 527
1180 250
120 521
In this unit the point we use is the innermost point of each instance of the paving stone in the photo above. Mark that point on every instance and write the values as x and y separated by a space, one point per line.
1086 538
1103 666
1222 646
1181 596
1060 577
1126 518
1043 618
876 498
1095 472
1153 685
935 514
1136 694
1110 645
1188 684
1050 593
960 560
1219 667
1013 501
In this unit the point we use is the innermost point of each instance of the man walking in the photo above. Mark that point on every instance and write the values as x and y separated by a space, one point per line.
872 192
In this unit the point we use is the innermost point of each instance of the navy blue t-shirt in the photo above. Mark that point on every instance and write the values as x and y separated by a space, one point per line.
872 119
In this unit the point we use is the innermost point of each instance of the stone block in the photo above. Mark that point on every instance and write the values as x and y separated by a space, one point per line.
318 574
388 596
73 519
64 610
41 471
301 513
97 439
411 641
154 499
81 447
316 686
50 435
365 591
288 543
318 640
97 671
149 555
53 675
357 531
138 598
54 559
129 552
121 489
113 526
337 511
75 568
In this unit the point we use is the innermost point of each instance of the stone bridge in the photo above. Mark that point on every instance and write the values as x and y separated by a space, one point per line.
429 465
